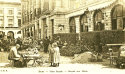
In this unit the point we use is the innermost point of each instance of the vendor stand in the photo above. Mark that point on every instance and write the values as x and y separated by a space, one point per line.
119 54
29 55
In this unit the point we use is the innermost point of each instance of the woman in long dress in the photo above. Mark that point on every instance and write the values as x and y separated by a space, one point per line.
56 54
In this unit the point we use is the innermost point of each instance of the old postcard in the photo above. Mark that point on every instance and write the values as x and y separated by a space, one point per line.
62 36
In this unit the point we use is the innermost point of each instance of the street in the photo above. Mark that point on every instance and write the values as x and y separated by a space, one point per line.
65 67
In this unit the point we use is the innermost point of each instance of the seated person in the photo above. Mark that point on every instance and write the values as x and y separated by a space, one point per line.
65 44
13 55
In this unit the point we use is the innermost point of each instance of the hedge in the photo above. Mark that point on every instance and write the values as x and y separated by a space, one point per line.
89 39
70 38
110 37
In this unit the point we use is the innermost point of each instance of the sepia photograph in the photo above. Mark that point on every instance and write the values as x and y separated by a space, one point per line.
62 36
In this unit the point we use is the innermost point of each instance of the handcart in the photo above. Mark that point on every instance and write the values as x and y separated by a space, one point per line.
120 61
116 56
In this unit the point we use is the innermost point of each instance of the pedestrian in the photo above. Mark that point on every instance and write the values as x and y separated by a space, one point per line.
65 45
56 54
51 53
46 44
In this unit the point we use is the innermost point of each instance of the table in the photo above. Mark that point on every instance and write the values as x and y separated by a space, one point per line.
33 57
27 57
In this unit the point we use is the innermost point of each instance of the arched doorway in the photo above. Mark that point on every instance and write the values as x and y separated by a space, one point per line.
10 35
118 17
83 23
98 17
19 32
72 25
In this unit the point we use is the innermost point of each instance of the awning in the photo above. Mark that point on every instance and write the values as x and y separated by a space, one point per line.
101 5
77 13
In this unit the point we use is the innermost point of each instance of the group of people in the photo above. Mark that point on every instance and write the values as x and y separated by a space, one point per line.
49 46
54 53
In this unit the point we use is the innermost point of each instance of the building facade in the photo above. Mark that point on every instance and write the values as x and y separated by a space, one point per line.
41 18
10 19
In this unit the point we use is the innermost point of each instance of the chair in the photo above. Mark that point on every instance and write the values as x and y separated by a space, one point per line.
12 61
113 56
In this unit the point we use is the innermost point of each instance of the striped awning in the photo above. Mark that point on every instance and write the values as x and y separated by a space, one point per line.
101 5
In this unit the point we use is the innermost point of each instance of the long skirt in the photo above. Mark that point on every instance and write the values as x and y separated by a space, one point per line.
51 57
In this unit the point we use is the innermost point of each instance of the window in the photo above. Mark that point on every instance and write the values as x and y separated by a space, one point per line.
98 17
19 22
10 20
72 25
118 17
83 24
10 12
19 12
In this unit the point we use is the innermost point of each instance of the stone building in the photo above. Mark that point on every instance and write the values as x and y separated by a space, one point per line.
41 18
10 19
